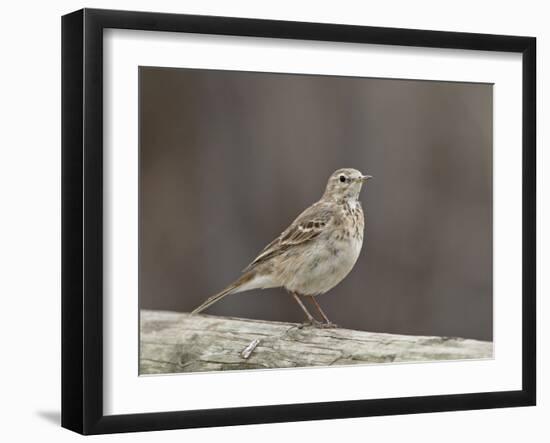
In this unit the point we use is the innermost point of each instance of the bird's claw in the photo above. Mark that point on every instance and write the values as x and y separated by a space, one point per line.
318 324
329 325
311 322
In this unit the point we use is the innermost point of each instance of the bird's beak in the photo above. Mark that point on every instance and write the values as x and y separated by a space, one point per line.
364 178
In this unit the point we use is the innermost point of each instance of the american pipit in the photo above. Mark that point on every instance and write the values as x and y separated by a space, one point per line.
315 252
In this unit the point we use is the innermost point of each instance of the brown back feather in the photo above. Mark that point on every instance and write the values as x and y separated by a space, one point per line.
306 227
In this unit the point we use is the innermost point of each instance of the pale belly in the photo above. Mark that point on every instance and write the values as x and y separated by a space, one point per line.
318 268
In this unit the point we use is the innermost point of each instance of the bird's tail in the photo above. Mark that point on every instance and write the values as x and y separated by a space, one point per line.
231 289
213 299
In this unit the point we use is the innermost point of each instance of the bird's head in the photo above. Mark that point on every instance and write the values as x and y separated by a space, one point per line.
345 184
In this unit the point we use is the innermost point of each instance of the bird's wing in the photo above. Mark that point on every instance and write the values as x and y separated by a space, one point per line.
307 226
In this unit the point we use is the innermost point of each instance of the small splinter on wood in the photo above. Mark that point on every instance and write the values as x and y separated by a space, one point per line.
247 352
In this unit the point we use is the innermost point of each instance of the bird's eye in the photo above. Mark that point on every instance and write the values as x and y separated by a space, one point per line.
342 178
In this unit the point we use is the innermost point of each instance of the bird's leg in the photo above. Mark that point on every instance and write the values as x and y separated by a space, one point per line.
328 323
310 318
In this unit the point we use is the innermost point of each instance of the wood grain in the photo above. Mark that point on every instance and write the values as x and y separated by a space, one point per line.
173 342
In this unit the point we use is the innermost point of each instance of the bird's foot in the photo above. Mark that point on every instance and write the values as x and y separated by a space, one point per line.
311 323
318 324
328 325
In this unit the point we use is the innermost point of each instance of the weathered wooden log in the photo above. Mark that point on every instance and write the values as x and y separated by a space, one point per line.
179 342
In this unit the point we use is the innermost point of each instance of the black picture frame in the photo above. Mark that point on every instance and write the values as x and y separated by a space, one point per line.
82 220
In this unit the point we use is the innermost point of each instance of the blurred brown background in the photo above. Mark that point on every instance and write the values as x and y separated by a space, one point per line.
229 159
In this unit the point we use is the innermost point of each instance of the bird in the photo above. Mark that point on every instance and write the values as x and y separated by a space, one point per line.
315 253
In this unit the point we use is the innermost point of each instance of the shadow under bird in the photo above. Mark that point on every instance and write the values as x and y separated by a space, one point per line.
315 253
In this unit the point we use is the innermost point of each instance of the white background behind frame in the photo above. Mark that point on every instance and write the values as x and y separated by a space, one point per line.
34 411
125 392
